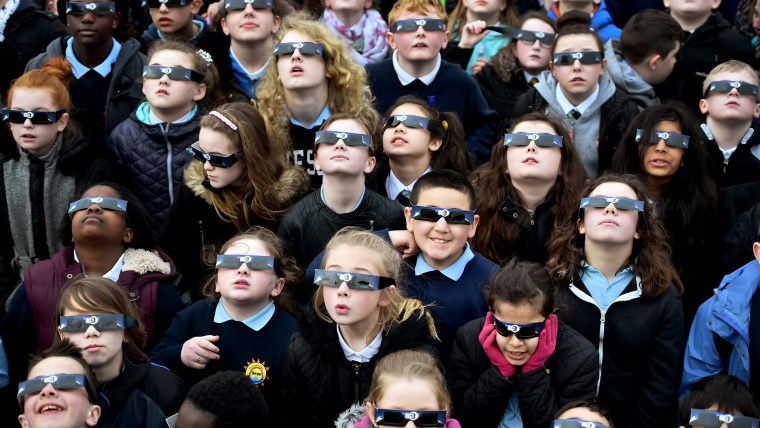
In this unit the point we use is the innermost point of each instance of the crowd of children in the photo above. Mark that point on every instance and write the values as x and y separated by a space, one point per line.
358 214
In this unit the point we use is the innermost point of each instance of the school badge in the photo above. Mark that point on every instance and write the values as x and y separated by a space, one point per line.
256 371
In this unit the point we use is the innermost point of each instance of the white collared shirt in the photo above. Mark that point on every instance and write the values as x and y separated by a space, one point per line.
366 354
255 322
393 186
567 106
79 69
113 274
406 78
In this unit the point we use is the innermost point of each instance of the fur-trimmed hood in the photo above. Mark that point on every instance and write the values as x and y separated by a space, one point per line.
144 261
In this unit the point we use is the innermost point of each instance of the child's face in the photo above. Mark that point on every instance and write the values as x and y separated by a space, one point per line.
348 5
244 286
420 46
733 106
584 414
298 71
441 243
407 394
531 162
36 139
359 309
517 351
65 407
217 143
101 349
661 162
610 225
756 17
577 81
691 9
165 94
485 7
91 29
190 416
533 57
250 25
96 223
404 142
170 20
342 159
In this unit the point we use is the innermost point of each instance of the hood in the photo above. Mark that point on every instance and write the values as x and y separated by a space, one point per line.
547 86
736 298
622 74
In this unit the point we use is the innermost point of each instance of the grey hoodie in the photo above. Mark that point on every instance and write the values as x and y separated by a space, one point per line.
585 132
626 78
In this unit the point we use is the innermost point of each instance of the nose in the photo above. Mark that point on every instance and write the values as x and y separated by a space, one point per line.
340 145
661 146
610 208
207 166
513 340
243 269
577 64
164 79
48 391
94 208
88 17
248 9
441 224
28 123
91 332
420 31
163 8
296 54
343 289
532 147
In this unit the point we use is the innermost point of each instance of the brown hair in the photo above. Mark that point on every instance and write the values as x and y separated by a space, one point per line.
497 236
97 295
417 6
458 17
504 62
64 348
650 256
649 32
575 22
370 126
521 282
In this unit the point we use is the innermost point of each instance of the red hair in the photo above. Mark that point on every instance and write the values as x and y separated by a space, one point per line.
54 77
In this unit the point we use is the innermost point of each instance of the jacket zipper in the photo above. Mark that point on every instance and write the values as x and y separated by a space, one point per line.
372 225
200 229
356 382
168 161
725 162
532 220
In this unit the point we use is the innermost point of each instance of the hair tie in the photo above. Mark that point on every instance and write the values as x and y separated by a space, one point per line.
206 57
223 119
445 125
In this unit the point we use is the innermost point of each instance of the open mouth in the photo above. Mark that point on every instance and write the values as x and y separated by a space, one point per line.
162 92
241 283
420 45
49 408
399 141
530 161
439 241
296 69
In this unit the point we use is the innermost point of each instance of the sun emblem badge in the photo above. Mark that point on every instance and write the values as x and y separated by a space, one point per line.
257 371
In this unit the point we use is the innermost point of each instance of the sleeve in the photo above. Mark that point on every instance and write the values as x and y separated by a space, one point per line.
536 398
702 357
522 105
19 335
480 124
168 350
293 392
286 231
169 304
4 380
456 55
8 275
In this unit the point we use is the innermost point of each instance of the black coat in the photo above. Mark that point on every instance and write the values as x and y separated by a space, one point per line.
481 393
319 382
161 386
502 94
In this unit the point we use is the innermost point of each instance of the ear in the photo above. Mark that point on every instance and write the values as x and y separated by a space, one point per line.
391 38
581 227
446 36
551 68
278 286
25 424
756 250
115 21
473 226
652 61
715 4
200 92
385 299
636 235
62 122
128 234
604 65
370 165
223 23
316 161
195 6
367 4
757 111
277 23
60 334
503 6
703 106
370 412
666 3
93 414
408 216
435 144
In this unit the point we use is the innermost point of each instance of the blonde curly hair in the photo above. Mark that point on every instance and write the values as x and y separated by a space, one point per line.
348 91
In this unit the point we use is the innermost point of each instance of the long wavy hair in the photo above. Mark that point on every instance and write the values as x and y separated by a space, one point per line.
650 256
348 91
497 236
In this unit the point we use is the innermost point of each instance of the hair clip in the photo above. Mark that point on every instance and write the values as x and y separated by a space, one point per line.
445 125
206 57
223 119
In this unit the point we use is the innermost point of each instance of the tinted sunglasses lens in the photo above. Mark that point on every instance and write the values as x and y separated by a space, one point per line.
36 117
399 418
324 137
568 58
234 261
304 48
214 160
391 418
83 8
528 332
168 3
425 214
241 4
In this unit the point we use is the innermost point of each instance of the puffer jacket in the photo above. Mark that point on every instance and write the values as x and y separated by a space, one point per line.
151 158
321 383
481 393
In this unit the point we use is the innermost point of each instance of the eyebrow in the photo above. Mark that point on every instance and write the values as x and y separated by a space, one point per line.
353 270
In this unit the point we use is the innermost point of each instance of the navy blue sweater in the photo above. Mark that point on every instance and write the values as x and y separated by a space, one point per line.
452 90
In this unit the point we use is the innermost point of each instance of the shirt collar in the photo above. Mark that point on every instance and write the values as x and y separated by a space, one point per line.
453 272
322 117
567 107
255 322
406 78
258 74
153 119
366 354
590 268
113 274
79 69
394 186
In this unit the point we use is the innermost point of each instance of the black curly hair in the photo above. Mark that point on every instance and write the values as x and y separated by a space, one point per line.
233 399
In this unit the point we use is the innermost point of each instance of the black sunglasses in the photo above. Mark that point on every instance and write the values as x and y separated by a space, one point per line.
619 203
218 161
174 73
305 48
524 139
408 120
671 139
151 4
568 58
526 36
576 423
411 25
349 138
234 261
355 281
712 419
101 322
111 204
726 86
59 381
241 4
420 418
451 215
521 331
80 8
37 117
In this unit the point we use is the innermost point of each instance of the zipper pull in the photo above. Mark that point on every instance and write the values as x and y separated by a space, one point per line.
532 221
725 163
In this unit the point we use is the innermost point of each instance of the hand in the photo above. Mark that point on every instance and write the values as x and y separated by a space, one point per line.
487 339
213 10
473 33
198 351
403 241
547 342
479 64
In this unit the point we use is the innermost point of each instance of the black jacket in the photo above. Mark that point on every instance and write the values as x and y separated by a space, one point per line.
161 386
502 88
481 393
319 382
741 167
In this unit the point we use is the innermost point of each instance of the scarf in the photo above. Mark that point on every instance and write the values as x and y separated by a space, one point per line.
5 15
366 38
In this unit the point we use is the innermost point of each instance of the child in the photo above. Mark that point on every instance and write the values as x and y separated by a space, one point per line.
150 146
601 21
358 316
251 28
417 35
61 377
664 145
644 55
178 20
224 399
719 400
53 162
579 91
244 325
496 13
500 364
575 414
526 187
620 291
95 314
710 40
359 27
308 85
410 150
235 184
518 65
110 236
106 86
345 154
